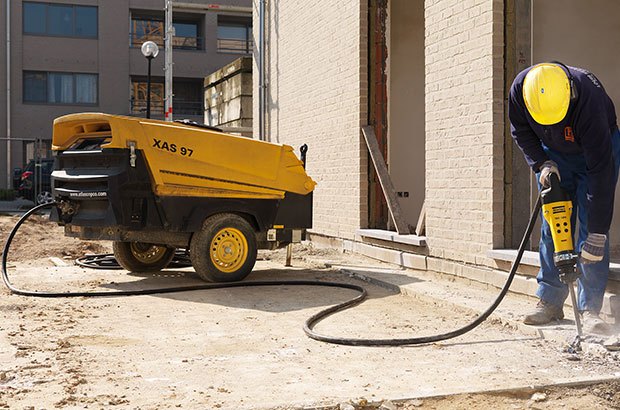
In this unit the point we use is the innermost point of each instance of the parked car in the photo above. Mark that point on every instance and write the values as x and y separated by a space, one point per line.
17 178
43 190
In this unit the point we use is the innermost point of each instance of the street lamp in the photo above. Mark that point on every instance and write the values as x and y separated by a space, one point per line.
150 51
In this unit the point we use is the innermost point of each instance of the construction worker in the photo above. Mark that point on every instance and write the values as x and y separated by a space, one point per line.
565 124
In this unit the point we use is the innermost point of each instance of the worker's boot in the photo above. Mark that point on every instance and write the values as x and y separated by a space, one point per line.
592 323
544 313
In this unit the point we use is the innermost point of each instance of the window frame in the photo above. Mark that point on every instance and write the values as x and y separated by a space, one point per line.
75 7
236 21
198 21
47 96
158 102
46 32
184 104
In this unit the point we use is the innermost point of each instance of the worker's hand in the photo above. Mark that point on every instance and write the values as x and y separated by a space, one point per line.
547 168
593 248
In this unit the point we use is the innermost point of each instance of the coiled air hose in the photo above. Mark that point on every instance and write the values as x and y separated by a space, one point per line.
312 321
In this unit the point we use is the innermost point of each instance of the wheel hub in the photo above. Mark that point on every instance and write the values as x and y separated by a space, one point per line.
229 250
146 252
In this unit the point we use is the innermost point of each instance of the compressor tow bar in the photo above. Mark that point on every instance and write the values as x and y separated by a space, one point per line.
310 322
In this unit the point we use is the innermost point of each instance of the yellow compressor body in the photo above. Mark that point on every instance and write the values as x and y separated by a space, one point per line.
152 186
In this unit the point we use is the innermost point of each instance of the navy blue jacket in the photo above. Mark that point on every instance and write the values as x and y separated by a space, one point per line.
586 130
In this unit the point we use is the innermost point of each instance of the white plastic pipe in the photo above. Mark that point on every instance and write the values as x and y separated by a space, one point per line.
261 71
9 177
168 62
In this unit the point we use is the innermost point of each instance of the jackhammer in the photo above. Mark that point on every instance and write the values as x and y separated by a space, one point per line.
557 209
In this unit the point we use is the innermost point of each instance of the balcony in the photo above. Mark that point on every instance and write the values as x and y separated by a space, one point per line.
178 42
181 107
234 46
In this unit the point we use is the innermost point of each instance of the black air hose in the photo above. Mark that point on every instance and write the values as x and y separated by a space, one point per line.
312 321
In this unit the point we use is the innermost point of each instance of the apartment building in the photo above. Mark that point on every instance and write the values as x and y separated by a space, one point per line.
65 56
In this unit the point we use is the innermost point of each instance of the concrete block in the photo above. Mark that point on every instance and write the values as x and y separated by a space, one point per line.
404 259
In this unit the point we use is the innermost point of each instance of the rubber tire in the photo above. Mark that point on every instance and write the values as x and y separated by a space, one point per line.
126 258
201 243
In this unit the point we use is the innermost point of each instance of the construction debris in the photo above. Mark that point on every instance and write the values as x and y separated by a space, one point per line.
613 343
539 397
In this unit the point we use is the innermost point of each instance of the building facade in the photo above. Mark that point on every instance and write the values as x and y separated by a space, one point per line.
431 77
84 55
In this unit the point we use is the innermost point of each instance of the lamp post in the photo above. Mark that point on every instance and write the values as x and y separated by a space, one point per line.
150 51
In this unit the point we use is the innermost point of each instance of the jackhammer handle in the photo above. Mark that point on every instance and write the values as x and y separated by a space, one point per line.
554 181
303 149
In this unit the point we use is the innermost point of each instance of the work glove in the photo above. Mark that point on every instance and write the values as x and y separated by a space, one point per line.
593 248
546 169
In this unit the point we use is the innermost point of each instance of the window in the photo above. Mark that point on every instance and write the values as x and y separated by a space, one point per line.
186 32
60 88
187 96
86 21
185 35
85 88
143 29
234 35
34 18
139 93
60 20
35 87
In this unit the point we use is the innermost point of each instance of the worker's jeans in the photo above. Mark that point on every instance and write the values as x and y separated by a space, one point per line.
593 279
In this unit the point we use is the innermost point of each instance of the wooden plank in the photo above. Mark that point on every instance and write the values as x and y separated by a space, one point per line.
421 226
384 179
378 213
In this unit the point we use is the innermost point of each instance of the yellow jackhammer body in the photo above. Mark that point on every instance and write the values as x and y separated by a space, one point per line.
557 209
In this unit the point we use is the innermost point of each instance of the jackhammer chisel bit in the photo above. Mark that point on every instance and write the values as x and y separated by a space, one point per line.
573 299
569 277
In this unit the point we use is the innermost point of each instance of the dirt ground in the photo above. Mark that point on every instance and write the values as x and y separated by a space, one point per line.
38 239
245 348
599 396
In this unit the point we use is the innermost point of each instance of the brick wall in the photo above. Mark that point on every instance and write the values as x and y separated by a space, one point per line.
317 95
464 121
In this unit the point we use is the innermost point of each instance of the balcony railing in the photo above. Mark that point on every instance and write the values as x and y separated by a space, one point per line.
234 46
182 43
185 107
180 107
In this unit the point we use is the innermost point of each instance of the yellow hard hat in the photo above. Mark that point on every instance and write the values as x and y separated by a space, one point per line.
546 91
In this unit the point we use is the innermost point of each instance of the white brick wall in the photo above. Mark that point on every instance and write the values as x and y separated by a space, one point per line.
317 84
318 95
464 128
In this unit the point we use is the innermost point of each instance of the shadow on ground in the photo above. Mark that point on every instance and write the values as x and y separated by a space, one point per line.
276 298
